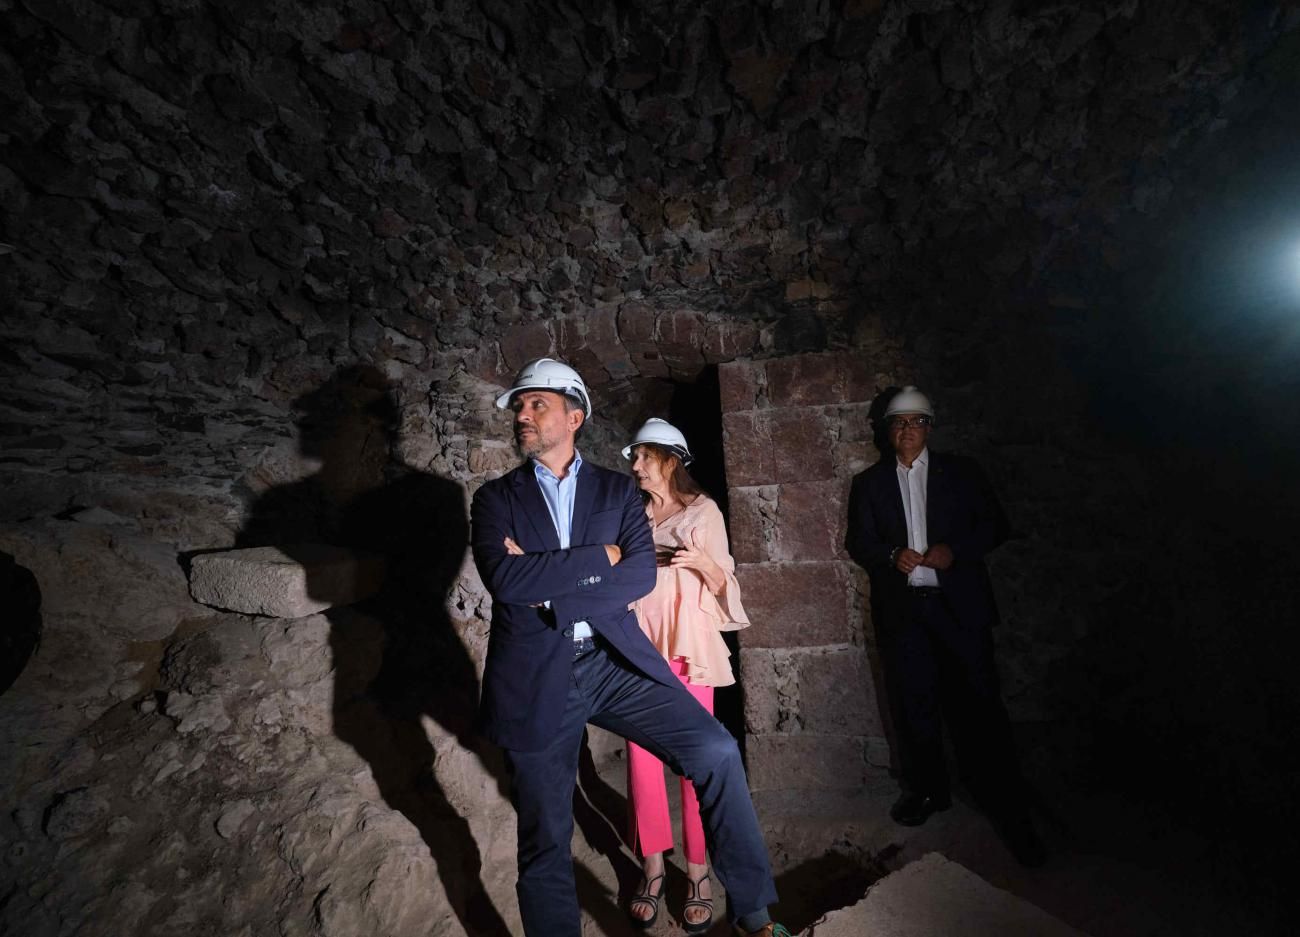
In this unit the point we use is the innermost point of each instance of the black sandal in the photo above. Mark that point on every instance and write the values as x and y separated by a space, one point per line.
695 901
644 897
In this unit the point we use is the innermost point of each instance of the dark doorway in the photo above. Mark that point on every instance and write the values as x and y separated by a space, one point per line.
696 409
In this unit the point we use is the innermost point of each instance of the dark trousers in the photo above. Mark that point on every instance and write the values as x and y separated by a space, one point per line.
669 723
938 670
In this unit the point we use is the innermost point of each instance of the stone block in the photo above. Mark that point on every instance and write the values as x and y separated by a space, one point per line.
741 383
680 335
805 762
819 380
934 895
805 289
600 334
836 693
795 604
284 582
810 521
806 380
861 380
768 446
728 339
747 448
769 683
801 443
680 327
636 325
649 364
791 522
485 362
523 343
753 515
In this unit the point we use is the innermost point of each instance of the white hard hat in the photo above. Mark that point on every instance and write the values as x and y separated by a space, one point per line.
548 374
661 433
909 400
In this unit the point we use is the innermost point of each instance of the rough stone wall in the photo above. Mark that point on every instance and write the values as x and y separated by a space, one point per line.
212 210
220 203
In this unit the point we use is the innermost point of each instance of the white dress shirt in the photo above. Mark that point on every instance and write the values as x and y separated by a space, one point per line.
912 484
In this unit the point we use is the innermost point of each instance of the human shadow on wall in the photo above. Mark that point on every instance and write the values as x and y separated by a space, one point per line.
398 658
20 635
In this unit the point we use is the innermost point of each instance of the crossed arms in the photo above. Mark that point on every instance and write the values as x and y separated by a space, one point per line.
590 579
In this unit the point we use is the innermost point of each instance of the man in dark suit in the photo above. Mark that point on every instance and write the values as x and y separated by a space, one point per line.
920 523
564 546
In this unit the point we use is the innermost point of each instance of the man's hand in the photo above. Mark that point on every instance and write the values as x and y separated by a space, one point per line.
614 553
907 560
939 556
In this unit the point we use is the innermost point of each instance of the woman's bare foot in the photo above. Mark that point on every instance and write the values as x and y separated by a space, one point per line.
698 914
644 905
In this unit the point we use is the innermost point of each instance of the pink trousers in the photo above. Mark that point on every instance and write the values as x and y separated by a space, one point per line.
649 827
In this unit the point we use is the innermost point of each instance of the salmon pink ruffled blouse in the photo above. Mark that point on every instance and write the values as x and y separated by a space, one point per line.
681 617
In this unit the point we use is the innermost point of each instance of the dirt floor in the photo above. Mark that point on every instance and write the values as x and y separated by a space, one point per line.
1116 869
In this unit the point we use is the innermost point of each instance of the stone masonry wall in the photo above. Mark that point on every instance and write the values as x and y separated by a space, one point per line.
795 433
209 212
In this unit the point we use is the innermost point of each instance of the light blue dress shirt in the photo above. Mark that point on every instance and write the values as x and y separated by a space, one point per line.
558 493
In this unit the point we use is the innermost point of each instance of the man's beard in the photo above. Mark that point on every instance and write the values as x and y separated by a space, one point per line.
533 445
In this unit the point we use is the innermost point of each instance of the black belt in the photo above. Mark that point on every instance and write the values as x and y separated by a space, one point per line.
583 646
925 592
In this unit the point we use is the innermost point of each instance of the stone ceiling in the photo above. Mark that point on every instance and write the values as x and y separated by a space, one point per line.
217 205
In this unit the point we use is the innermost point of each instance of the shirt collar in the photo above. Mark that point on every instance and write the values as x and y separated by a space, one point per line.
923 458
541 471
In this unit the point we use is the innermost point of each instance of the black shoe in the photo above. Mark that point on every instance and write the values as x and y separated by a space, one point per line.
915 809
1022 839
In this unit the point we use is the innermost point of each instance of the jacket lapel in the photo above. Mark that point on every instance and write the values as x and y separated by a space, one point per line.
533 507
893 497
583 500
936 501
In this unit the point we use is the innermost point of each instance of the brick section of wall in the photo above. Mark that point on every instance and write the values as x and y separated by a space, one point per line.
795 431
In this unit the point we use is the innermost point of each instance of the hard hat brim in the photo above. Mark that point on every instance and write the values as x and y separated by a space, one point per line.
503 401
678 451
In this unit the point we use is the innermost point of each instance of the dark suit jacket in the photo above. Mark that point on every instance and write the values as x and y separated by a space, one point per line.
961 510
530 649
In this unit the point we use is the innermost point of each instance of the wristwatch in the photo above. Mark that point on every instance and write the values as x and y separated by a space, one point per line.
893 555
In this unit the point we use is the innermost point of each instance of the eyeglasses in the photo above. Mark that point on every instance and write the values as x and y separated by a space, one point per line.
902 422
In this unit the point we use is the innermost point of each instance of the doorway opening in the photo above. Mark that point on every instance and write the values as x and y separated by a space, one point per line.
696 409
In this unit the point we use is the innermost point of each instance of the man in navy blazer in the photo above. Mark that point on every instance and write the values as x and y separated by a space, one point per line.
921 523
564 546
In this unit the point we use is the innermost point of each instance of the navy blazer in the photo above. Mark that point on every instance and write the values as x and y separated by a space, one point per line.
530 648
961 510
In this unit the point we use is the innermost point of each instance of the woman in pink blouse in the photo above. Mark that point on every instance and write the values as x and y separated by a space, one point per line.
695 599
